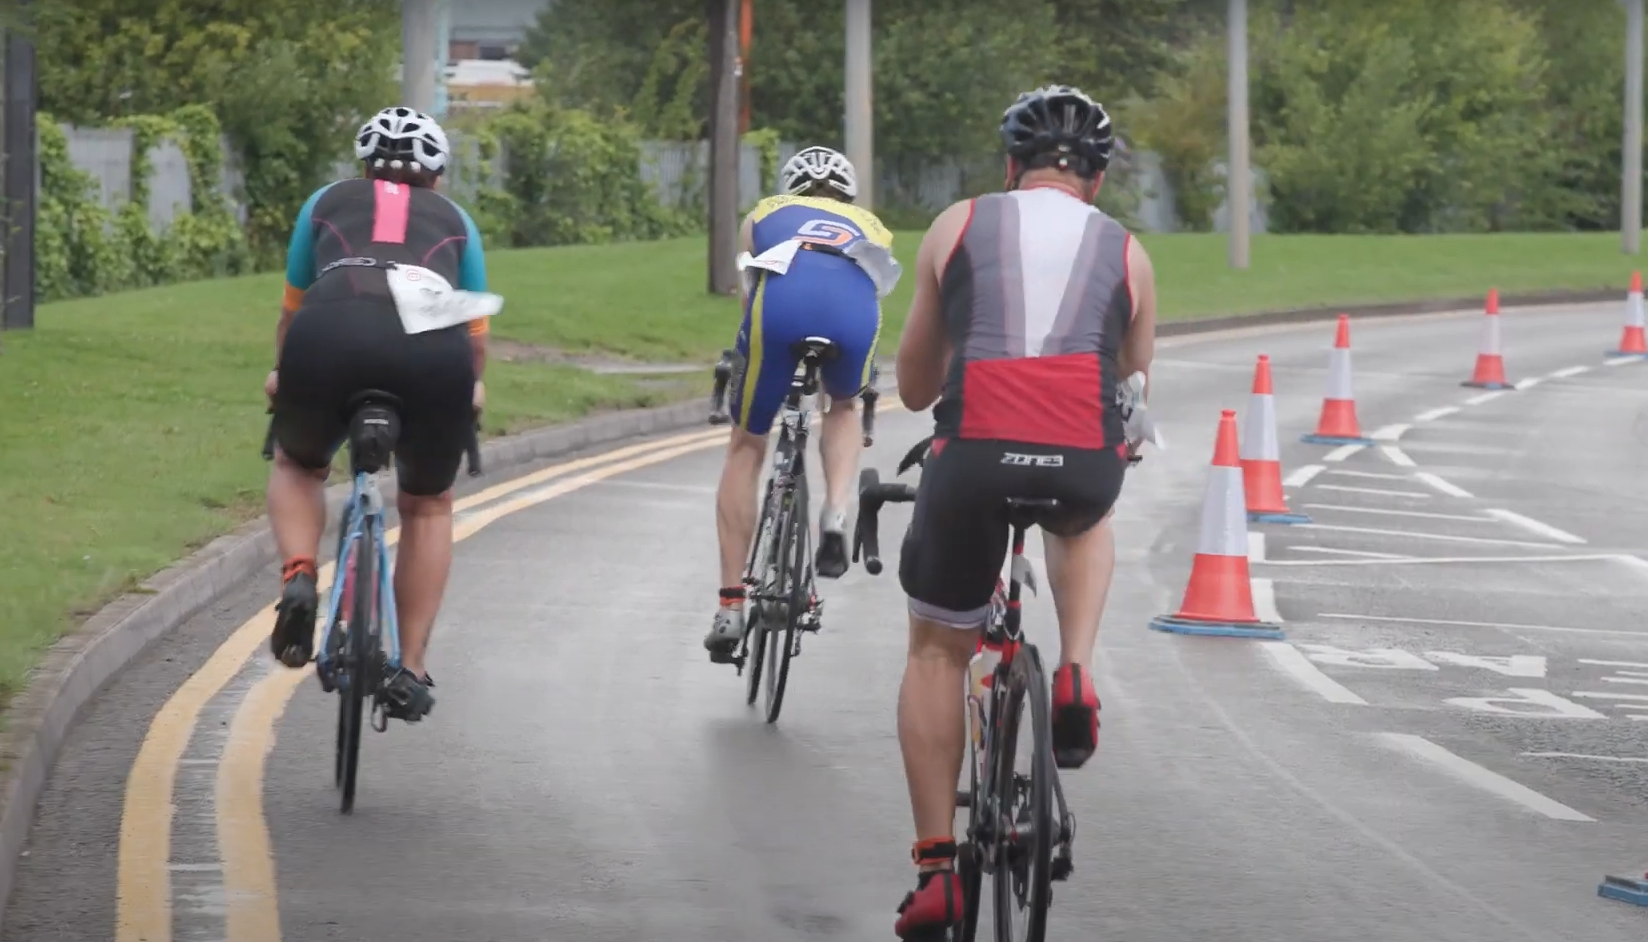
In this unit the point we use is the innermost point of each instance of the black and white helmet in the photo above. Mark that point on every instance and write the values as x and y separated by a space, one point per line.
1059 120
818 165
397 137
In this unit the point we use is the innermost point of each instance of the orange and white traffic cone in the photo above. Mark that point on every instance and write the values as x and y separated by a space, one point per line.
1219 597
1632 343
1490 365
1262 455
1337 425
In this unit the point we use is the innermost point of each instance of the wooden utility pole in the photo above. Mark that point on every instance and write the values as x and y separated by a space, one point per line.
723 176
1630 209
1238 176
21 146
860 123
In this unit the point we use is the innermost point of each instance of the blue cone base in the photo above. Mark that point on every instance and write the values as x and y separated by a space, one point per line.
1315 439
1215 629
1616 354
1278 518
1487 385
1624 889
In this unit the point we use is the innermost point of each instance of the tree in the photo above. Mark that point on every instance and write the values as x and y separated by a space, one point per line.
289 79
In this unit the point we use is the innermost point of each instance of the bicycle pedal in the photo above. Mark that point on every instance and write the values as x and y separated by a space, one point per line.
964 799
727 657
1062 868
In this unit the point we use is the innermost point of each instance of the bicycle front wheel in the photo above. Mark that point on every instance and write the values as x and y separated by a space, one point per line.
1024 789
358 659
796 589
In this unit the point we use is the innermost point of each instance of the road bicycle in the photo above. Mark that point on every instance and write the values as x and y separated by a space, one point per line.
360 644
780 602
1020 831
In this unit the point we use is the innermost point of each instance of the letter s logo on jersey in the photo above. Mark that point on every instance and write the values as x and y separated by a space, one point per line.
827 232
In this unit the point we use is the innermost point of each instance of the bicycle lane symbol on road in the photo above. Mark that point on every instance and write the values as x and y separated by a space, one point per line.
1529 702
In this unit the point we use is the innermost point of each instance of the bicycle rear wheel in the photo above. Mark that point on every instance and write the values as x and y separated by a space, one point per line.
358 658
1025 832
795 588
755 630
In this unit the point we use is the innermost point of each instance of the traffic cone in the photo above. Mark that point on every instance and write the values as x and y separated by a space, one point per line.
1490 365
1219 598
1338 426
1262 457
1632 343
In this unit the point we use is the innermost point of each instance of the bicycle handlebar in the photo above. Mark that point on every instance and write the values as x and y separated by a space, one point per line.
872 494
728 363
472 449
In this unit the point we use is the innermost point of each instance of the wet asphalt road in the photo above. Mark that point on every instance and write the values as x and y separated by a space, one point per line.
588 775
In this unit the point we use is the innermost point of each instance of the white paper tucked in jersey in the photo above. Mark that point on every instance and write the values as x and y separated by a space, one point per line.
426 301
876 261
1137 424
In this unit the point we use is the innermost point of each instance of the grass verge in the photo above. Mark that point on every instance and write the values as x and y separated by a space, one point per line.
130 424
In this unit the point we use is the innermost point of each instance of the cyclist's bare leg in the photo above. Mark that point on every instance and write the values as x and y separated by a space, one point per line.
422 563
932 730
297 507
841 444
1079 569
735 502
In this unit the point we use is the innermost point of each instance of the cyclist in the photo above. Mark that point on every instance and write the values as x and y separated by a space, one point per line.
814 265
342 332
1030 306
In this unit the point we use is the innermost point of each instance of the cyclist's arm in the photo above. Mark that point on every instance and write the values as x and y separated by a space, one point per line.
472 277
300 268
1140 347
924 349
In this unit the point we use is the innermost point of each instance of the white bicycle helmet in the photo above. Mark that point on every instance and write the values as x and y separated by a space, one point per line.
818 165
400 136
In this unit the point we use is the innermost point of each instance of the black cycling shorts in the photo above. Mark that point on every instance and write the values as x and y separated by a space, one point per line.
957 541
336 349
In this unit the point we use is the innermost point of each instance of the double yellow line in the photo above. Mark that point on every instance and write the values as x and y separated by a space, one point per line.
143 886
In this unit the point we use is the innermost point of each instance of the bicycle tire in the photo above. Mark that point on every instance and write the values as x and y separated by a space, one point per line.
352 702
968 866
792 581
1033 859
755 632
328 649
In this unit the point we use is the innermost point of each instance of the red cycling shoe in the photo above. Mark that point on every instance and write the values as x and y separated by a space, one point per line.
936 906
1075 717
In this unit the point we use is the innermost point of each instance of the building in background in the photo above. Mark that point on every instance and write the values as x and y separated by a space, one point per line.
490 29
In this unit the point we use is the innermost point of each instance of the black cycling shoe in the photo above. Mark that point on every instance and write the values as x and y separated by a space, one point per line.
406 696
831 560
293 640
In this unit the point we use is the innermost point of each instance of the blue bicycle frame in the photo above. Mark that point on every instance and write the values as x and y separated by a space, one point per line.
365 501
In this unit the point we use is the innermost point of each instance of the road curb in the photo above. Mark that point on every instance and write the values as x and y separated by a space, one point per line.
76 668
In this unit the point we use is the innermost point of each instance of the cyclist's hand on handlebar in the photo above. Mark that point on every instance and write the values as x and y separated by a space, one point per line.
270 384
478 398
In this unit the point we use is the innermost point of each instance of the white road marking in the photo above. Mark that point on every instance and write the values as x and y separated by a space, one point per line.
1529 383
1420 535
1345 552
1570 371
1342 452
1581 755
1475 775
1447 487
1374 490
1398 456
1585 660
1640 680
1515 665
1389 433
1534 703
1375 475
1299 667
1432 415
1255 547
1264 601
1302 476
1485 397
1345 508
1635 562
1384 659
1635 698
1506 626
1437 560
1619 361
1533 526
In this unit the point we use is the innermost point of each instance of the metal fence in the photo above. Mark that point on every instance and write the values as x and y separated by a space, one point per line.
676 170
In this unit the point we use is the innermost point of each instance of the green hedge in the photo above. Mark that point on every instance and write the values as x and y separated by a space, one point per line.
81 248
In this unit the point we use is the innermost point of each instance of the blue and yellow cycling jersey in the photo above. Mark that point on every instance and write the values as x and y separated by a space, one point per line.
833 293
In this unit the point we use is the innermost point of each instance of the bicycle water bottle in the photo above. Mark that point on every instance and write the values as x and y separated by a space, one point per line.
981 672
